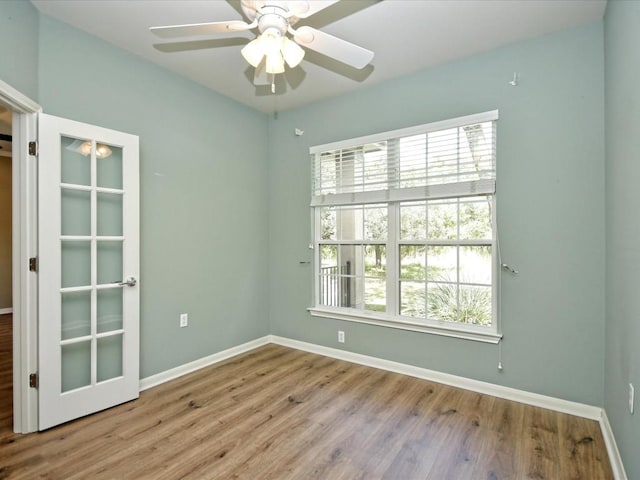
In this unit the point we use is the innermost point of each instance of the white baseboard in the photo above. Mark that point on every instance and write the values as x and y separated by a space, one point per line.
5 311
507 393
190 367
612 448
551 403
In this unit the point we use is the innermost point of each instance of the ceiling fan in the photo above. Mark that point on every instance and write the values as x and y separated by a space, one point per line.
272 48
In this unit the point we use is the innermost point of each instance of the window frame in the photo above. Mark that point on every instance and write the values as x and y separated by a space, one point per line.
392 317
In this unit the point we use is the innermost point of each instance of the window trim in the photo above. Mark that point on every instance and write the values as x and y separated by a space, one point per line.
491 334
468 332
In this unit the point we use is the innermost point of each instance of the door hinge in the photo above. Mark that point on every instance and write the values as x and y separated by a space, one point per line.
33 148
33 380
33 264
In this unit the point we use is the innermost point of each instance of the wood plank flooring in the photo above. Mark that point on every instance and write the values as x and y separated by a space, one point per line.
278 413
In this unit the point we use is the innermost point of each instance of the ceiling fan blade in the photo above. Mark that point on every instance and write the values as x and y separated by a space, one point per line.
306 8
193 29
333 47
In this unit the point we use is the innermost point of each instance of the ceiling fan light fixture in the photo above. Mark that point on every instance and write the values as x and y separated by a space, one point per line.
292 52
253 52
275 63
271 41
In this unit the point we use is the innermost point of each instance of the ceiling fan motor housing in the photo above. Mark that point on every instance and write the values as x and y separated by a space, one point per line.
272 17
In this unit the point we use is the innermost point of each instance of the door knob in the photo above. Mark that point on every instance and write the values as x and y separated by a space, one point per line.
129 282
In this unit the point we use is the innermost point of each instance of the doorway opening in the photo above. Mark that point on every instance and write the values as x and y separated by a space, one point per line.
6 269
20 346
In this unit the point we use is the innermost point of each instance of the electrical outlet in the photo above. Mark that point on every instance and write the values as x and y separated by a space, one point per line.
632 394
340 336
184 320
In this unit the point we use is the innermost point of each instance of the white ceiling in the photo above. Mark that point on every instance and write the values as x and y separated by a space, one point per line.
406 36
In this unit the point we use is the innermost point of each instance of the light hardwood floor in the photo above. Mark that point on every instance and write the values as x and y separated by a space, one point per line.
278 413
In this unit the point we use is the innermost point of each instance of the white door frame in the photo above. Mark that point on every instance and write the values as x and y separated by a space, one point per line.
25 216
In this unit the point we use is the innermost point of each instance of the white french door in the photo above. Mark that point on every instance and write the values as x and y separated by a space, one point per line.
88 268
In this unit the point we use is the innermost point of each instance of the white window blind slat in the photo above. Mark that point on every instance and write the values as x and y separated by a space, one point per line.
410 131
458 160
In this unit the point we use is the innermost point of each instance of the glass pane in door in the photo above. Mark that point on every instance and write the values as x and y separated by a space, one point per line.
76 314
75 161
109 262
76 212
109 357
76 365
76 264
109 213
109 164
109 309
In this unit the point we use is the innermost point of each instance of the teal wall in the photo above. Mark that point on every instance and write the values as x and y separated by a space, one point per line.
203 191
19 46
622 62
226 223
550 200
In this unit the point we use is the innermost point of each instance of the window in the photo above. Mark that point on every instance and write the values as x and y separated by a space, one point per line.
404 231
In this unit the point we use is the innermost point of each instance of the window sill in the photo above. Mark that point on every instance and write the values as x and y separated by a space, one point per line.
478 334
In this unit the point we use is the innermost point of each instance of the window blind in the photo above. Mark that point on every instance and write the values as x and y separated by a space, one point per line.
453 158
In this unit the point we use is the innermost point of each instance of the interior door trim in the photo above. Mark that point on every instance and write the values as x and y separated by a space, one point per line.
24 212
17 101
